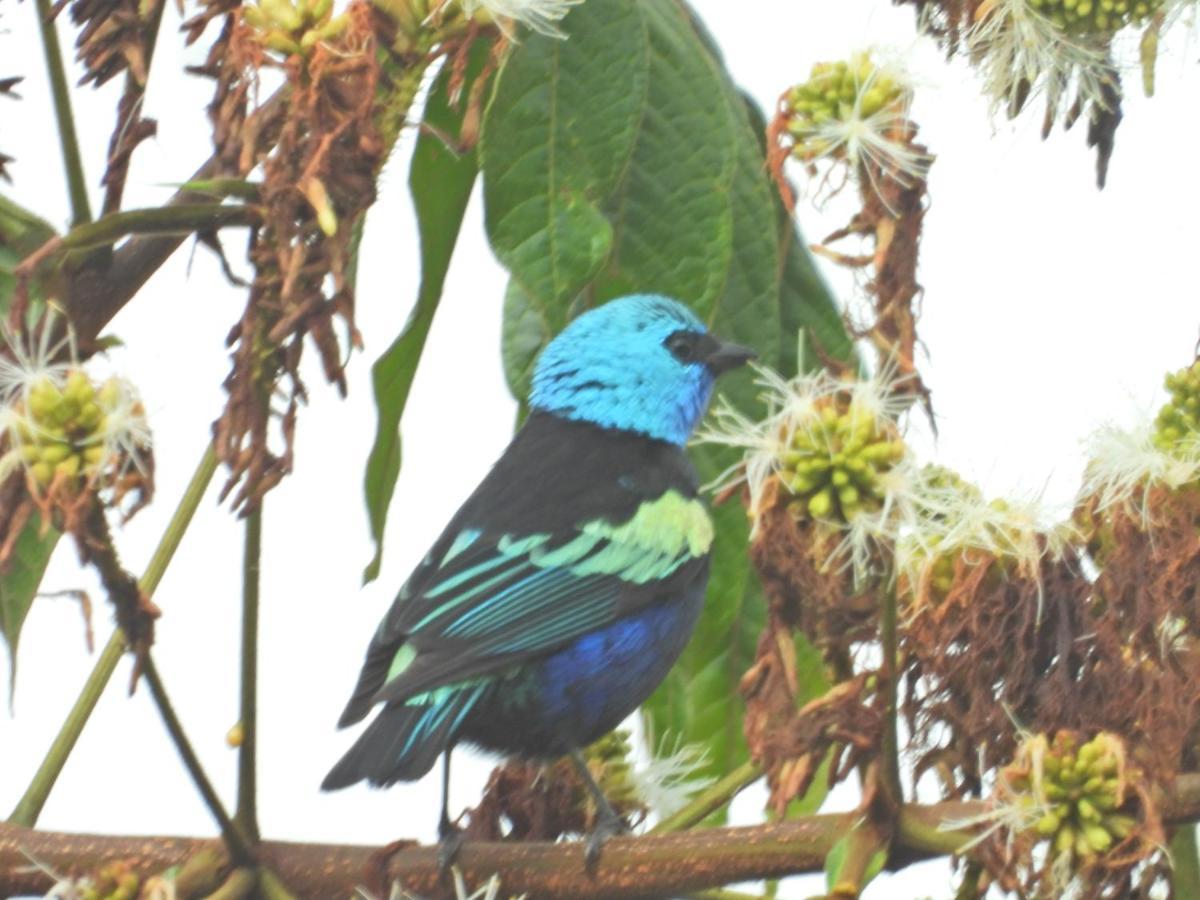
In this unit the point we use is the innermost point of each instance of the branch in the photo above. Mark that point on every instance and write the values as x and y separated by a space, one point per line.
172 221
31 803
246 815
238 848
95 297
644 866
81 211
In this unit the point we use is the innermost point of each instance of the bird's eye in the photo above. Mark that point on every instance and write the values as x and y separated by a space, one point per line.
683 346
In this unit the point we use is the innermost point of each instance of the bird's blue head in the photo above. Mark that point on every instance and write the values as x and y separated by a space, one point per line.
641 363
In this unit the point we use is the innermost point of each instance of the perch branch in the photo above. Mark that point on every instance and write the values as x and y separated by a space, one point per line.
644 866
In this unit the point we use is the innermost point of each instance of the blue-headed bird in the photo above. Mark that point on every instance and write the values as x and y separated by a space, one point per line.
567 585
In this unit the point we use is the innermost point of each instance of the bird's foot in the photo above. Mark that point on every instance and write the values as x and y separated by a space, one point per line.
450 841
607 826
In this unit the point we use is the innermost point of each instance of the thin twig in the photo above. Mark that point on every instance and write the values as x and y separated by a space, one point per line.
235 841
711 799
166 220
34 799
246 814
128 118
889 769
81 210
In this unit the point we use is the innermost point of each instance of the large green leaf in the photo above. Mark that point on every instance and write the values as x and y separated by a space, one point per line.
21 233
19 581
624 159
440 181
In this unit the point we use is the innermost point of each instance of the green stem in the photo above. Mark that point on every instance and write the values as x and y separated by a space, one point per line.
890 764
246 815
81 211
1185 862
34 799
239 850
157 220
712 798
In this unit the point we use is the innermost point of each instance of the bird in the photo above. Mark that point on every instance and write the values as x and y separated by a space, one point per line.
567 585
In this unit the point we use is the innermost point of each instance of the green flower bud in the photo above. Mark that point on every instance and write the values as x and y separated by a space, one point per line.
836 461
1096 17
839 91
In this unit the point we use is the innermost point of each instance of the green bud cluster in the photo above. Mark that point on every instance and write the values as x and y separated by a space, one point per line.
1179 419
839 92
293 27
608 760
1096 16
1081 793
835 463
60 435
116 881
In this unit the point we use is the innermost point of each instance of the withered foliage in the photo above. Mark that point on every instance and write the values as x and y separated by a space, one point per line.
1000 650
891 217
528 801
114 37
7 89
808 587
535 802
809 594
318 180
949 22
991 654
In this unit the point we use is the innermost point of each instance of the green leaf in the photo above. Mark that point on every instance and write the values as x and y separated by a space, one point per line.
624 159
441 183
21 233
19 582
556 140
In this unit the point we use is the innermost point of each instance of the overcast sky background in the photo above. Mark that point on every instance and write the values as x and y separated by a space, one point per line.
1050 308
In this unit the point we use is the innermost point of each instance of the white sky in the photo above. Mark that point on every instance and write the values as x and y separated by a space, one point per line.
1049 308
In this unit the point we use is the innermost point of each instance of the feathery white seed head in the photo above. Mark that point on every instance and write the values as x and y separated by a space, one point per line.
1124 464
1023 54
672 776
543 16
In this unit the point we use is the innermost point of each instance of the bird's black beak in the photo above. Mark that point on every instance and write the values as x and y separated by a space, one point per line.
725 356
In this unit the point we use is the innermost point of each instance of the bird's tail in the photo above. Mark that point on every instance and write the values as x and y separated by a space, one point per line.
405 739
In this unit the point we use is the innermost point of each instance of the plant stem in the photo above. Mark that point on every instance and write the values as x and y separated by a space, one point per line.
1185 862
239 850
157 220
81 211
246 815
712 798
890 764
30 806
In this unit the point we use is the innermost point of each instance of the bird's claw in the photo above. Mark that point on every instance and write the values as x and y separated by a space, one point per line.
606 827
450 841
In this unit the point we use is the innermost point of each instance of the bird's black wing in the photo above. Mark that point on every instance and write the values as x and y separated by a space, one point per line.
574 527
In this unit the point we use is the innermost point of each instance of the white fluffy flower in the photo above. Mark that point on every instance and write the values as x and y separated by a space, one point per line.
1123 465
542 16
671 778
1022 54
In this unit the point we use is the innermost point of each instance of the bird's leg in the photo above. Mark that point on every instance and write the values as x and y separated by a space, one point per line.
450 836
608 822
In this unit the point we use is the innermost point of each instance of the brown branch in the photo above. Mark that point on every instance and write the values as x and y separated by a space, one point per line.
96 294
644 866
